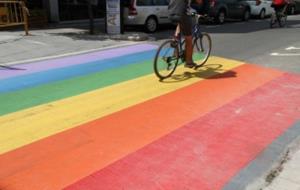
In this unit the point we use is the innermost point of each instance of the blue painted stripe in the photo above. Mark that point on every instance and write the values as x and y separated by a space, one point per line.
40 78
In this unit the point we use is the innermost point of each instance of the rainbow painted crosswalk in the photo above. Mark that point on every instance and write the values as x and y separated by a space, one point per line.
102 120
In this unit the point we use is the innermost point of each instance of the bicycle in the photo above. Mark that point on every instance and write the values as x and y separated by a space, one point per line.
279 16
170 51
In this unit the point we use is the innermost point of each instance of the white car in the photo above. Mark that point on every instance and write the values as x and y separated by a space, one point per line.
262 10
149 13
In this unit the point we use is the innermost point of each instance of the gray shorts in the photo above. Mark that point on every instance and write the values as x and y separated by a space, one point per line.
186 25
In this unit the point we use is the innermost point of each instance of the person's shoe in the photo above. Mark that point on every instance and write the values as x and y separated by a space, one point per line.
190 65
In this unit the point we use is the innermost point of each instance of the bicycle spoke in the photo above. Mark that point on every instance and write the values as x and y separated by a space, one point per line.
166 59
202 48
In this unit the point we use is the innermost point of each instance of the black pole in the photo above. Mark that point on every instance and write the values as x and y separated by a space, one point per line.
91 16
105 17
121 16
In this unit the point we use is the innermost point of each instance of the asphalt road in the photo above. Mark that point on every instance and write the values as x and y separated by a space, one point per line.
251 42
254 42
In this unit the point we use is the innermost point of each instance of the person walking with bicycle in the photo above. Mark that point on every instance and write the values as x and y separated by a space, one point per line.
179 13
280 14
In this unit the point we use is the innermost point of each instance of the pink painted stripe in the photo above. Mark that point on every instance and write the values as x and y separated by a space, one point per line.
208 152
74 60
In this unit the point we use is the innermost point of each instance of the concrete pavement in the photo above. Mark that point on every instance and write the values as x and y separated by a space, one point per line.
289 177
59 40
284 175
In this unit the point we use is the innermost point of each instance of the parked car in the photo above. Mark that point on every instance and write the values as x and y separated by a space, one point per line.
149 13
234 9
261 10
294 7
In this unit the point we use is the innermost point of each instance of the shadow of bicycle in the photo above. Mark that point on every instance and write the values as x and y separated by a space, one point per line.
6 67
209 71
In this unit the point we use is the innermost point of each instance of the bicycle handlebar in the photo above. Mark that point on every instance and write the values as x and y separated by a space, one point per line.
198 16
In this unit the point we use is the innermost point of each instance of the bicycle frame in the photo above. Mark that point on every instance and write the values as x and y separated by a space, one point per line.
171 51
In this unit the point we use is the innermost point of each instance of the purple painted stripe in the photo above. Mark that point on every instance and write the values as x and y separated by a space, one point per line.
74 60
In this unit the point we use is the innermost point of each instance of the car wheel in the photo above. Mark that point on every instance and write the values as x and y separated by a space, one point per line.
220 19
262 14
246 15
151 24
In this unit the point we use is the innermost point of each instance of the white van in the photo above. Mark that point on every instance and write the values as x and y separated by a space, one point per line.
149 13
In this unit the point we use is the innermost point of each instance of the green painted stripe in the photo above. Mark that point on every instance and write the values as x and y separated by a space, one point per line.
12 102
15 101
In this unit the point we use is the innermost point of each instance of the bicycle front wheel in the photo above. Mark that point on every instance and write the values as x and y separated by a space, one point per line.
166 59
201 49
272 20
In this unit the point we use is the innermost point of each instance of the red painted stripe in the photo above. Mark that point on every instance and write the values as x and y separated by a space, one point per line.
207 152
58 161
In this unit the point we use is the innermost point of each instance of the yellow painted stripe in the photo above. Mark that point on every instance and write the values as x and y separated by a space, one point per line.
26 126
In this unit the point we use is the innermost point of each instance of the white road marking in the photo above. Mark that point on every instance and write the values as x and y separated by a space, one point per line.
285 54
37 42
292 48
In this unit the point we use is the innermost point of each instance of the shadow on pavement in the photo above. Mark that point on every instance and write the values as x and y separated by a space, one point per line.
5 67
209 71
82 36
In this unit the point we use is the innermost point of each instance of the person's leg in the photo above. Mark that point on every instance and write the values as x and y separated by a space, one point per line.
276 8
189 49
186 28
177 31
279 12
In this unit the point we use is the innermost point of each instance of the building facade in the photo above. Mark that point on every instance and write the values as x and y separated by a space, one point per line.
67 10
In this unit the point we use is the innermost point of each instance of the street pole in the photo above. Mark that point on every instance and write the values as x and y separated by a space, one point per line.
91 16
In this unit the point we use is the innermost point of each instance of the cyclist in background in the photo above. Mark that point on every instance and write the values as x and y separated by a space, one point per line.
279 5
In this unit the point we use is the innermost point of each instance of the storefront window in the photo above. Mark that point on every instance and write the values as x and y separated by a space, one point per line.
34 4
77 9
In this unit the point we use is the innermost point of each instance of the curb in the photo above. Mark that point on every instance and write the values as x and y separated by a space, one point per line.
130 37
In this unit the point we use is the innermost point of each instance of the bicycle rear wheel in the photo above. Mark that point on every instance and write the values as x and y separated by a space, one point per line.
166 59
282 20
201 49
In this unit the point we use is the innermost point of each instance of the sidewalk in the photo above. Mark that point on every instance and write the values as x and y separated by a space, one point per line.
284 173
289 178
287 175
62 40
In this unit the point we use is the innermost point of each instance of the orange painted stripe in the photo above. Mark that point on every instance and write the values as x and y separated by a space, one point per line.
206 153
60 160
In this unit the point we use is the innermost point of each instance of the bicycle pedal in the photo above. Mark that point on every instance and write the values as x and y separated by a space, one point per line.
174 44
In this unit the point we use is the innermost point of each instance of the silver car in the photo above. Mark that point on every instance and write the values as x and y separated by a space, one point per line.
149 13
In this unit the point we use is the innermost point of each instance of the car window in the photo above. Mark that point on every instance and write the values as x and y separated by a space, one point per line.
126 3
144 2
161 2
